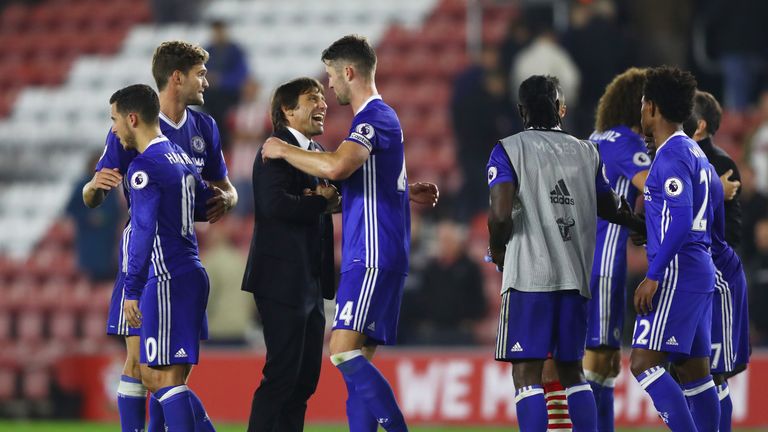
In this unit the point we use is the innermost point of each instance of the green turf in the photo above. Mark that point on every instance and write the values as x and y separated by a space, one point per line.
11 426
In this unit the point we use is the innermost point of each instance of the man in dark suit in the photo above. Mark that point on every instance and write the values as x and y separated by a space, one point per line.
290 264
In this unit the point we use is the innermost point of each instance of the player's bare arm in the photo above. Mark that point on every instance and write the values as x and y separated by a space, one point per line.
336 165
223 200
102 182
424 193
639 179
500 220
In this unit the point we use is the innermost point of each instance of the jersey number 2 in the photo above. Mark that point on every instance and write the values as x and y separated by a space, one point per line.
699 222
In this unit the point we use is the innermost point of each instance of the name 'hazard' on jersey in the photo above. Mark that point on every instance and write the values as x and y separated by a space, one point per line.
196 133
680 176
376 216
166 190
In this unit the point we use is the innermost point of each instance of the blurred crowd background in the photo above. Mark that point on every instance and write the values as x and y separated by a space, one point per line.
450 68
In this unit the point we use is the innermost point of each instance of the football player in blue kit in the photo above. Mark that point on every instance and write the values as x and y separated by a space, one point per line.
164 269
623 151
674 300
370 164
178 68
730 316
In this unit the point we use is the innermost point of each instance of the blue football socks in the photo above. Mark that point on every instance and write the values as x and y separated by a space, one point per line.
703 403
667 398
531 409
371 388
131 404
726 407
360 419
177 408
156 416
582 408
602 388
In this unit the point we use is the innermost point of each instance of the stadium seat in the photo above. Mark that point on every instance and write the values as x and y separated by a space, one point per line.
36 383
7 383
30 326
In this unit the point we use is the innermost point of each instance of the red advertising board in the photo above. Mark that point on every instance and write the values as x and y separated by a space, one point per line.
444 387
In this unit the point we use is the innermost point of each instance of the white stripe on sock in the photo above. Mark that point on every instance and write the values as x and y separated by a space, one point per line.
340 358
723 393
652 375
131 389
594 377
699 389
528 393
173 392
578 388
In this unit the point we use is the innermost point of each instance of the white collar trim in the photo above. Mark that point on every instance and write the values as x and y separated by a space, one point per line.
303 140
157 139
678 133
171 123
365 104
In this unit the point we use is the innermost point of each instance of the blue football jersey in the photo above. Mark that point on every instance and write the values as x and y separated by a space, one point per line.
376 217
164 187
725 258
624 154
196 133
679 176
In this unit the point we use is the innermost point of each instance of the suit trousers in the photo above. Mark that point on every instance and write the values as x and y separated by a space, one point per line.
293 335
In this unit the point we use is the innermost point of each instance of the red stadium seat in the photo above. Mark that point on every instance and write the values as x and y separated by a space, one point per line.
36 383
7 383
15 18
30 326
63 326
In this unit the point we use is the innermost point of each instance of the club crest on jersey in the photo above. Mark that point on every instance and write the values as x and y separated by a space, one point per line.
641 159
139 180
492 173
565 224
198 144
673 187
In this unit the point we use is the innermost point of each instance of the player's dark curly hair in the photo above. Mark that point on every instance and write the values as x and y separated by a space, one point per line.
354 49
287 96
620 104
672 90
538 101
707 108
175 56
137 98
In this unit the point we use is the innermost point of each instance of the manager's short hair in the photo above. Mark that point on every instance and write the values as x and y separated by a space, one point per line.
287 96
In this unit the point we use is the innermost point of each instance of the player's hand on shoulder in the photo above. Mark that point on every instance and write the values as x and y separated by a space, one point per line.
644 296
106 179
132 313
730 187
273 148
424 193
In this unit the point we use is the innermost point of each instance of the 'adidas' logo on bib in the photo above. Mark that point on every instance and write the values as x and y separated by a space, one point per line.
560 194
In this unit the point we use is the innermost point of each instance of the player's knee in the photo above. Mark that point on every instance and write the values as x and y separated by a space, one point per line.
639 363
615 362
527 373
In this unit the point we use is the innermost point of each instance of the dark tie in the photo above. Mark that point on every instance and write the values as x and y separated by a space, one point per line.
313 146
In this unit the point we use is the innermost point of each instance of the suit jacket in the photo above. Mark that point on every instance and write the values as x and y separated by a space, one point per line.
291 250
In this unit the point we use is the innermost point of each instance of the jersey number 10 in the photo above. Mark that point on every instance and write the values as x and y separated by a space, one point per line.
187 205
